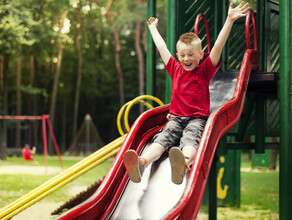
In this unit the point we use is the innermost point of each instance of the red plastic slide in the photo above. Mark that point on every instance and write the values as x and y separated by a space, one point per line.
227 97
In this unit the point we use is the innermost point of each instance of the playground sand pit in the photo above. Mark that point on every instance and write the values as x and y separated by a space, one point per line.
33 170
41 210
249 213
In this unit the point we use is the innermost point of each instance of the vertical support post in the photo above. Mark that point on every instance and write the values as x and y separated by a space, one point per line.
213 189
171 37
285 89
237 177
45 141
151 54
220 13
54 141
262 22
260 125
87 132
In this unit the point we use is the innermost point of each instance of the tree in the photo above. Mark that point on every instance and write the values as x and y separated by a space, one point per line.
117 51
58 71
79 68
140 56
15 23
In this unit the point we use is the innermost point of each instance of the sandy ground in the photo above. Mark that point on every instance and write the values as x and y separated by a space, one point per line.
33 170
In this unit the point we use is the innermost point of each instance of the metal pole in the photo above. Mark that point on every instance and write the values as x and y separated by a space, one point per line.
285 91
171 40
45 141
151 54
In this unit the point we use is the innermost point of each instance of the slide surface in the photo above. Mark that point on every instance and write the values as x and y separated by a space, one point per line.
156 197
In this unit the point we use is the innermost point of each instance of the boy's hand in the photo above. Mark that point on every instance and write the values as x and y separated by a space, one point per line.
152 21
239 11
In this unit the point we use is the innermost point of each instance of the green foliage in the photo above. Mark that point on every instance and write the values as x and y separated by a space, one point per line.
29 29
16 23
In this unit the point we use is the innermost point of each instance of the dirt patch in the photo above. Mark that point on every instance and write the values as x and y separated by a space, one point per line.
41 210
33 170
251 213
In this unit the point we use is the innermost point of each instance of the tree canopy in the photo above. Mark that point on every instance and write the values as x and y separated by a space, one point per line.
39 36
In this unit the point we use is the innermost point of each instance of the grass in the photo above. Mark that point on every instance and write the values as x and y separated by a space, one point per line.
259 194
259 189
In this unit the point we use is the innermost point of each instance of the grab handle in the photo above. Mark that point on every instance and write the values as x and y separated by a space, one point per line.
251 15
196 29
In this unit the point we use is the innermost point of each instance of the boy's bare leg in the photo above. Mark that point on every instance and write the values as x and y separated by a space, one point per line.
189 152
136 165
153 153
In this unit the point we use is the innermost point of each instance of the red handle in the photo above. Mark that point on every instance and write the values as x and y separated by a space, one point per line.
247 34
196 29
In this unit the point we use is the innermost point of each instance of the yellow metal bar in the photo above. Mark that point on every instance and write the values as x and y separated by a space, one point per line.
157 100
120 117
129 105
66 176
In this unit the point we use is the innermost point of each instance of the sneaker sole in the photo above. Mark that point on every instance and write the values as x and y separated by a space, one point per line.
177 163
131 162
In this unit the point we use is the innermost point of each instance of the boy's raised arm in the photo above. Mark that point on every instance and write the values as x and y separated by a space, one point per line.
233 14
158 40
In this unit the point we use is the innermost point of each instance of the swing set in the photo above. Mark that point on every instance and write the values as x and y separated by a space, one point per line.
45 121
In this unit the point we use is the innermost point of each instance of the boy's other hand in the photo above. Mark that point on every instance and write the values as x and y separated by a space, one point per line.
152 21
239 11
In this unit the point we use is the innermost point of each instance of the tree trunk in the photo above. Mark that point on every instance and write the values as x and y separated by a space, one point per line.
1 73
140 62
79 69
18 103
3 127
56 78
33 102
117 52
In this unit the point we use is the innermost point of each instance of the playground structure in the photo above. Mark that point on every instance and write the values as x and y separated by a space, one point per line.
116 187
87 139
45 121
78 169
118 198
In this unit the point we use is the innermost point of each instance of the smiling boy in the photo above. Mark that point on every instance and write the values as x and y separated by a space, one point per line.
190 101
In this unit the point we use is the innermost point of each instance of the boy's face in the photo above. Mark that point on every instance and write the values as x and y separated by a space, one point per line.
189 55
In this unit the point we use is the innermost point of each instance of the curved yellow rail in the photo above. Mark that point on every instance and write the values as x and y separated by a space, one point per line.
129 105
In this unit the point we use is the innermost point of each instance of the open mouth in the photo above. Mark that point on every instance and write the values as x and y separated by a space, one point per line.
188 64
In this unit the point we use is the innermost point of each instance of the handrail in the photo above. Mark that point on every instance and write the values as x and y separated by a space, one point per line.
196 29
126 107
247 33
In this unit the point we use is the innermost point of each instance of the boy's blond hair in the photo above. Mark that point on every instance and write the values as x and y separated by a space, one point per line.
189 38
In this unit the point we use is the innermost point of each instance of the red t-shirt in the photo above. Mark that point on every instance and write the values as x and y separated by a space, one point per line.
190 89
27 154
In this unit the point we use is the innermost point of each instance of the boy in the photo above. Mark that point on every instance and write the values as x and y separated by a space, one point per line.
190 102
27 152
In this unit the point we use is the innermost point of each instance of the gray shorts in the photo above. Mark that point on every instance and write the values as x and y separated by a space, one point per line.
181 131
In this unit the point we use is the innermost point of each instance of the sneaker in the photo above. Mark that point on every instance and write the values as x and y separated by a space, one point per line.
135 165
178 165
